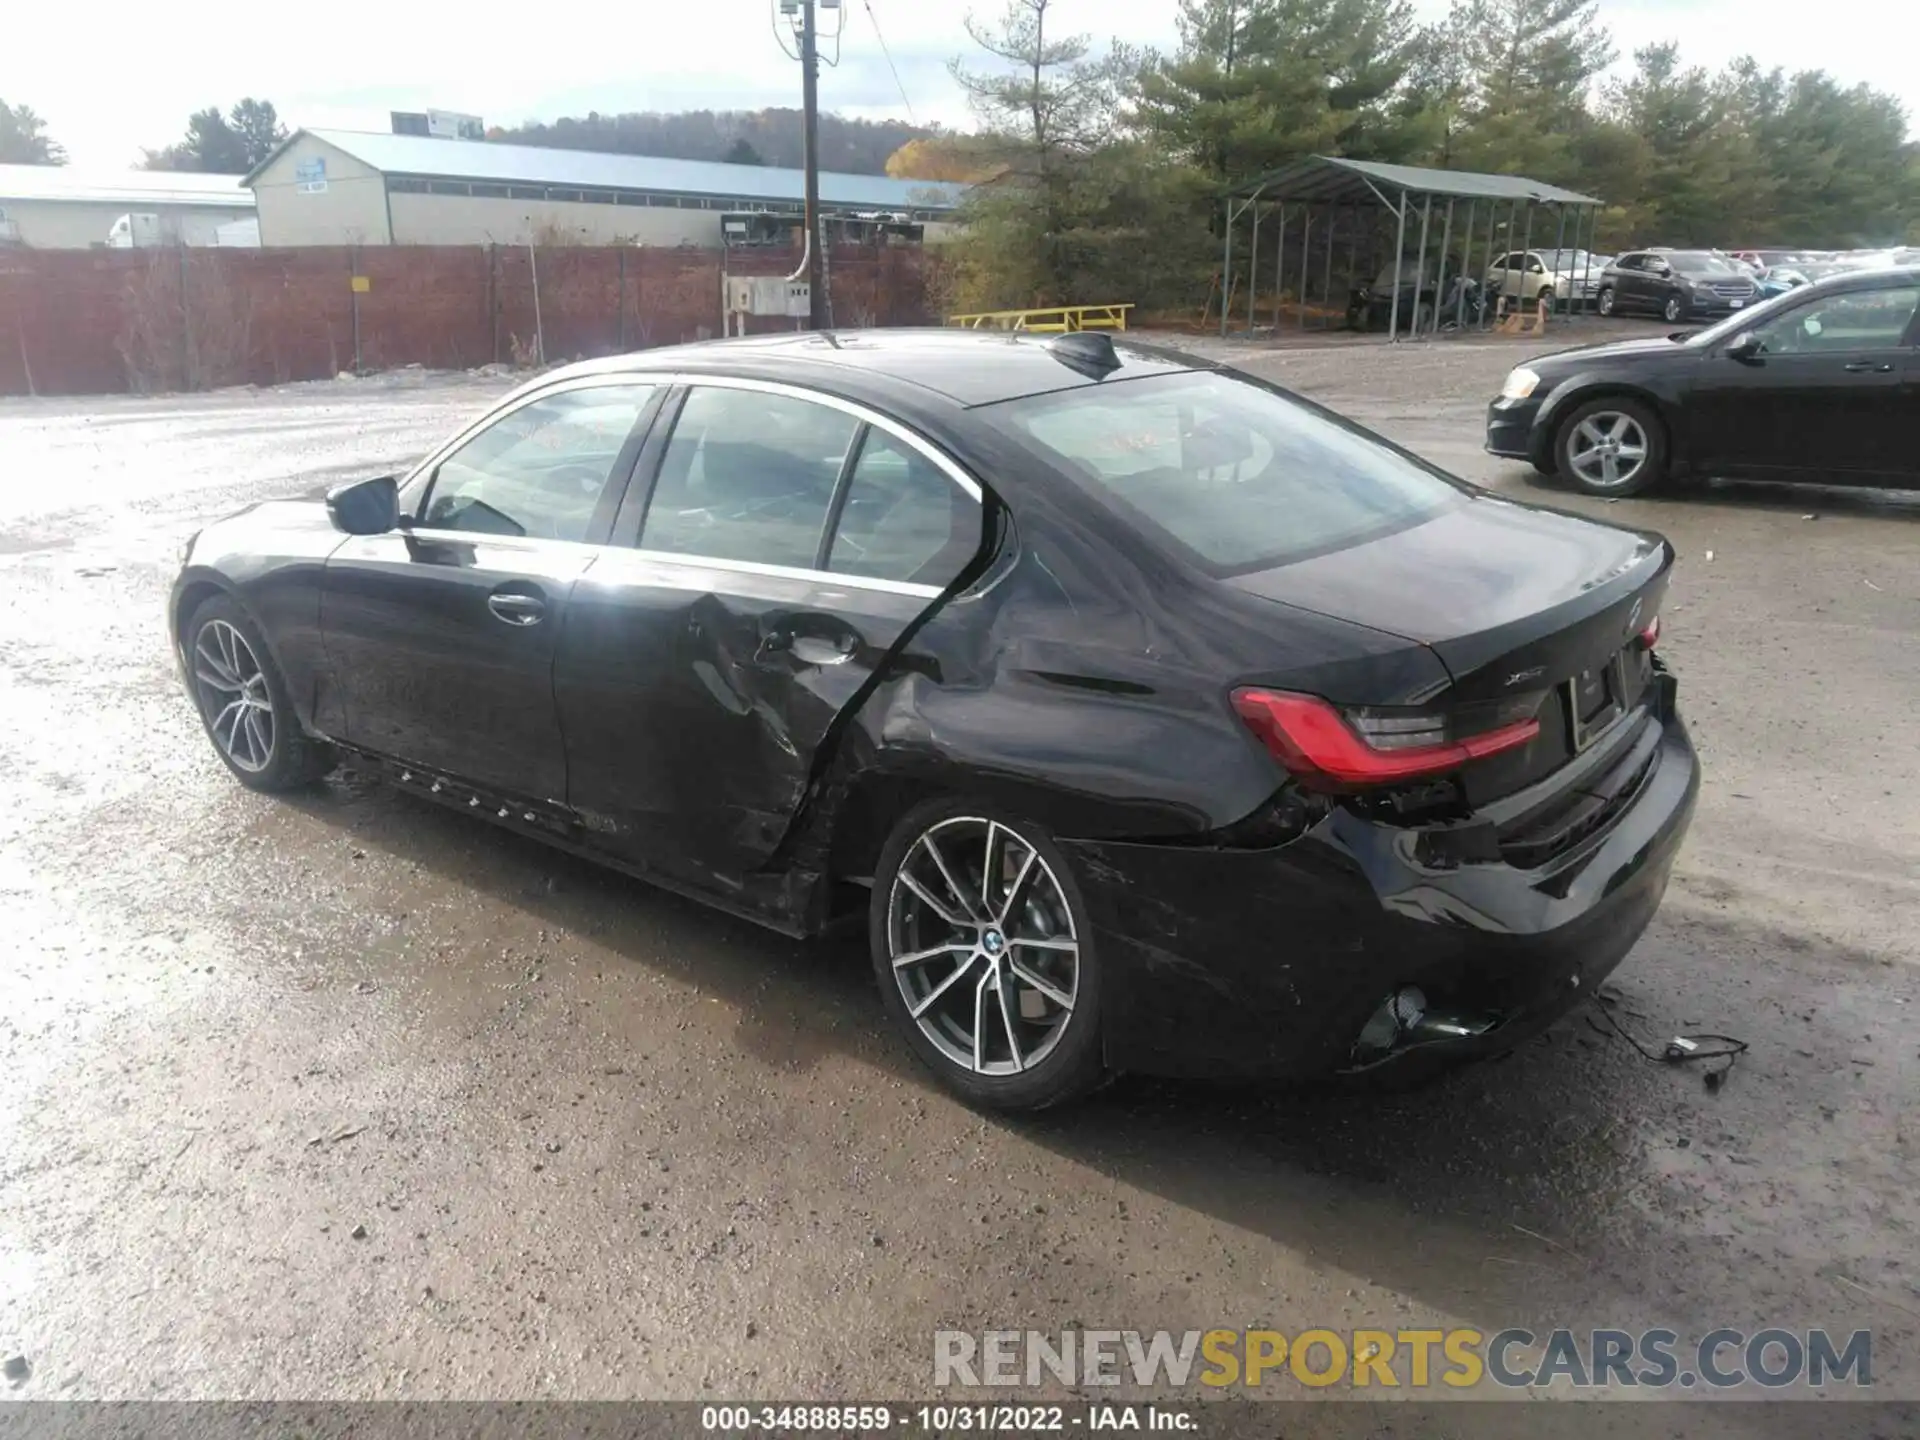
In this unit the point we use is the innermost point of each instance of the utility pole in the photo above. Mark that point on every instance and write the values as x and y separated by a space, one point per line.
810 105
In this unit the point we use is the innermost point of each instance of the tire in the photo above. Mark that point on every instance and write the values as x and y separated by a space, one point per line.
1036 1052
1606 300
1545 296
1626 424
229 665
1675 310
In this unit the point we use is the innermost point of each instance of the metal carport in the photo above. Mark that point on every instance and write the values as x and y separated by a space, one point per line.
1323 185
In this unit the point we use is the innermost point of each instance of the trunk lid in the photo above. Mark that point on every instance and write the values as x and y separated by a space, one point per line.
1512 600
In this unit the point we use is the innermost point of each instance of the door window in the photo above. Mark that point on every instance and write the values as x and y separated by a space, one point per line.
1858 320
539 470
904 518
748 476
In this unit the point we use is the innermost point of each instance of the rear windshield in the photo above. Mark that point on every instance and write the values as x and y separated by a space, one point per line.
1238 476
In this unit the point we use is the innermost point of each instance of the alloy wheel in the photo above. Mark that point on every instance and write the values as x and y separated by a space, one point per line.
983 947
1606 302
1608 450
233 695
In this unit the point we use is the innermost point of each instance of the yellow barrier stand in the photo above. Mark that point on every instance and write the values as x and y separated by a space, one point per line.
1047 320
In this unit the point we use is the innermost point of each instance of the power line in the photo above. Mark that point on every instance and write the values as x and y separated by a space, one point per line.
868 7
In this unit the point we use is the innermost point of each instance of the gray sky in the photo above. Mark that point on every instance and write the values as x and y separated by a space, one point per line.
113 75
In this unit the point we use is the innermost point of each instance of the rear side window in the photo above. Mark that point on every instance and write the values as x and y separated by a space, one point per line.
748 476
1238 476
904 518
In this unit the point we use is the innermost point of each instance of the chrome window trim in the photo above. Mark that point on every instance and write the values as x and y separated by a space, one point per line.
519 400
865 413
826 579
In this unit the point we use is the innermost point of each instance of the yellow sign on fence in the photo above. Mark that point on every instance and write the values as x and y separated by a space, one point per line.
362 284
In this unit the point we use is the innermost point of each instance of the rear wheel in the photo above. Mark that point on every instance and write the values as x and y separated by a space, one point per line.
1612 446
984 956
243 701
1676 310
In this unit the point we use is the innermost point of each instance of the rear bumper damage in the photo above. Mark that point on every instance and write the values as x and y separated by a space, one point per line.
1270 963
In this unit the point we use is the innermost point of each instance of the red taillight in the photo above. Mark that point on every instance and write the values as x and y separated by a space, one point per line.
1650 636
1317 745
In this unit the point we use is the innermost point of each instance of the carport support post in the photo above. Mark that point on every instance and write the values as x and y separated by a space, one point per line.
1487 302
1586 259
1527 249
1440 281
1326 276
1306 251
621 323
1353 248
1559 245
1466 268
1399 246
1420 269
1253 267
1279 265
1226 271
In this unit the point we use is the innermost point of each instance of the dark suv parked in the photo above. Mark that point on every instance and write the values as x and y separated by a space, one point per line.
1676 285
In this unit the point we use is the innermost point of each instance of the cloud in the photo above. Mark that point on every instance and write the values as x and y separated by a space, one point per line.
351 63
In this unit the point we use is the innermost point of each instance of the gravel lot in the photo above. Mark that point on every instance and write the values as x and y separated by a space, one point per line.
601 1143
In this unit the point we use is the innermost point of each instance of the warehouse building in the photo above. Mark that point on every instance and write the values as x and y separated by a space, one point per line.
341 187
67 207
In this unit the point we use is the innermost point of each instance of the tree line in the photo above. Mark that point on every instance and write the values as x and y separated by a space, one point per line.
772 136
1102 172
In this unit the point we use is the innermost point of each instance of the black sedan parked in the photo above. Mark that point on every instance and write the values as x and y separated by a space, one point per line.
1155 718
1821 383
1677 285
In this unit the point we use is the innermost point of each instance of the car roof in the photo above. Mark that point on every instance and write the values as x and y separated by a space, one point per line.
966 367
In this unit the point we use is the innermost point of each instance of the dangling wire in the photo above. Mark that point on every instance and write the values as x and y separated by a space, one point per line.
875 19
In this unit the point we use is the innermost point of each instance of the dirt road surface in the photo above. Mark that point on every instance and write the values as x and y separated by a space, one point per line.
347 1097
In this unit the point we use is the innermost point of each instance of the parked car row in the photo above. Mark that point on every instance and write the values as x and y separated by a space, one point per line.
1821 383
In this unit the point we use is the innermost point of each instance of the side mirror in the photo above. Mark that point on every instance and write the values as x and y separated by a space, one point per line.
1744 346
366 507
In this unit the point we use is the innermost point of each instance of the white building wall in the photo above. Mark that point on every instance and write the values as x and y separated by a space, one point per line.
476 220
352 210
82 224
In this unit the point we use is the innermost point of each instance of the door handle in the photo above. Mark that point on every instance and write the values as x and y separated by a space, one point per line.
1861 367
822 649
516 609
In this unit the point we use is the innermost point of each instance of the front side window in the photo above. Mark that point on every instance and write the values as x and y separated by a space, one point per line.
748 476
904 518
1858 320
1238 476
538 470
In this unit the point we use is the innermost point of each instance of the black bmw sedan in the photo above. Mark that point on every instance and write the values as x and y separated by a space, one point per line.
1820 384
1154 718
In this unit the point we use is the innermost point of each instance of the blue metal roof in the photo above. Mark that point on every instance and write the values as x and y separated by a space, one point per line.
602 170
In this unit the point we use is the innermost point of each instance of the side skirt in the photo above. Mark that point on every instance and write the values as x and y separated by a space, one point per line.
792 904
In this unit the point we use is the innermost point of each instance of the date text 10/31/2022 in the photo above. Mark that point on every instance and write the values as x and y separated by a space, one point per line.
944 1419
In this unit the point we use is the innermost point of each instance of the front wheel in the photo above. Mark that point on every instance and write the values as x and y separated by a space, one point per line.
985 957
1612 446
1676 310
243 701
1606 300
